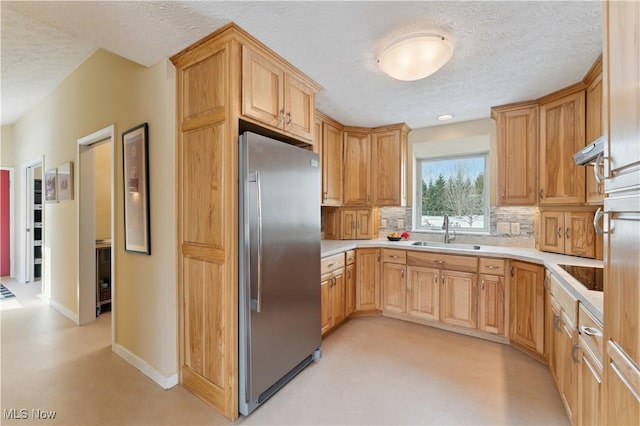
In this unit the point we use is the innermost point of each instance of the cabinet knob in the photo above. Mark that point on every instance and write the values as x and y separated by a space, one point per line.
288 119
402 273
559 233
596 218
567 232
504 193
574 352
541 194
482 282
435 278
281 120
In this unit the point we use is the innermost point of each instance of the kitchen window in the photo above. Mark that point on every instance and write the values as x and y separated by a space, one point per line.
455 186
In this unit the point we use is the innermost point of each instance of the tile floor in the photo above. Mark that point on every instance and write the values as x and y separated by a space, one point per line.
374 370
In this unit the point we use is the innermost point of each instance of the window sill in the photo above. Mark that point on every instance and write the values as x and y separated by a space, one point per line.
451 231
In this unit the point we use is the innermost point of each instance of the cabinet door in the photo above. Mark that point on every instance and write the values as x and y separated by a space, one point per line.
364 224
491 304
567 367
367 279
350 290
562 128
594 131
299 107
526 306
349 224
518 156
552 232
325 303
331 165
580 236
589 388
357 169
386 160
332 218
394 297
622 388
423 293
262 95
338 298
458 298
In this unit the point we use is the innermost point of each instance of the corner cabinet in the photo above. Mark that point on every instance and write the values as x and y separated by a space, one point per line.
367 279
567 232
517 127
562 133
276 97
331 146
225 77
357 168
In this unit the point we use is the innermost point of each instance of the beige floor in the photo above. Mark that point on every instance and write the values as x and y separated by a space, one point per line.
374 371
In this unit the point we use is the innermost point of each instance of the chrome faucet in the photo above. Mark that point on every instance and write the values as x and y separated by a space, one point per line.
445 226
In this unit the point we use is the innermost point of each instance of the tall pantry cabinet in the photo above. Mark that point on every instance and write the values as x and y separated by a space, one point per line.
221 79
621 77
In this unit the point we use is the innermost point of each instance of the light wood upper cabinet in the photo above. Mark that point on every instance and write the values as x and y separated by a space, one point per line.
567 232
594 126
517 128
526 306
367 279
562 133
389 166
423 293
357 168
343 223
274 96
332 150
458 299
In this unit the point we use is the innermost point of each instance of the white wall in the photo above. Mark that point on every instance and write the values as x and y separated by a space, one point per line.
104 90
454 138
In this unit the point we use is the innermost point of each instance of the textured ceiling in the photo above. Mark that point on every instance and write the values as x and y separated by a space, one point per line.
503 51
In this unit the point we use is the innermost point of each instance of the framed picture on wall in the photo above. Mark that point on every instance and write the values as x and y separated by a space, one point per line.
51 186
135 143
65 182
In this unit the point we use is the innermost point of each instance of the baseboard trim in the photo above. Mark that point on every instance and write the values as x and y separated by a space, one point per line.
63 310
146 368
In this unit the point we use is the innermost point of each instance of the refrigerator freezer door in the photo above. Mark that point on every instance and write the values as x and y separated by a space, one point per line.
280 261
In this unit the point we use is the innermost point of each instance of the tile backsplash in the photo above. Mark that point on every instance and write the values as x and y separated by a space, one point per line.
509 226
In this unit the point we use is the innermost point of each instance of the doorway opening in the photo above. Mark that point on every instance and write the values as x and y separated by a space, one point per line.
96 226
34 220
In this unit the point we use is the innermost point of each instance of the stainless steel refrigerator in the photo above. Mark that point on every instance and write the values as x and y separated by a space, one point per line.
279 260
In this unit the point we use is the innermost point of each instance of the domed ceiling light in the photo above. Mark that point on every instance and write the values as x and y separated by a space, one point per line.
415 56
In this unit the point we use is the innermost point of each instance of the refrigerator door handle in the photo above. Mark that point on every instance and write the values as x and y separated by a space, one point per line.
259 260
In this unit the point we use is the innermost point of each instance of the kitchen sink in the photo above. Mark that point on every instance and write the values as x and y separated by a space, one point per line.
446 246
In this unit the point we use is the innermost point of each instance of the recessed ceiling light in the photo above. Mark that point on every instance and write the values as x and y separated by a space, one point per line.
445 117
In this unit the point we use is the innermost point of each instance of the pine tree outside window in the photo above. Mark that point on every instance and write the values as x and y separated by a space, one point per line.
453 186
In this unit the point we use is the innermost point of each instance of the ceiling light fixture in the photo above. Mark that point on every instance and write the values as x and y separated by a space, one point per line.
445 117
415 56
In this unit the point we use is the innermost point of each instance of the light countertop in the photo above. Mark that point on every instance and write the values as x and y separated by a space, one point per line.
591 299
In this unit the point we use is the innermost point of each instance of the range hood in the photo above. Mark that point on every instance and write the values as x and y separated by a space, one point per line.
589 153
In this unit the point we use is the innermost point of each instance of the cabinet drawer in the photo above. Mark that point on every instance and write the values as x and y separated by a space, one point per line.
567 302
442 261
491 266
331 263
591 332
394 256
350 257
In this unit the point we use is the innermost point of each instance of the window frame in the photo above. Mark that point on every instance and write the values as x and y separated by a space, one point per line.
417 210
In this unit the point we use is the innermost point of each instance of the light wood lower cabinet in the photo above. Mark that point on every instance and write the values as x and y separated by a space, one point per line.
423 293
367 279
350 289
458 299
566 364
526 306
332 292
491 304
589 387
394 287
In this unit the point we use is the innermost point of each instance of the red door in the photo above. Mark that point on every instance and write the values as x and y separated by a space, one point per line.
5 268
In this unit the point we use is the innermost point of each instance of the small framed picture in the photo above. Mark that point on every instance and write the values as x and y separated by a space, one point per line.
65 182
51 186
136 190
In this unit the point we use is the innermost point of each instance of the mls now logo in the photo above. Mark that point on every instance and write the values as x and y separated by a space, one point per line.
23 414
